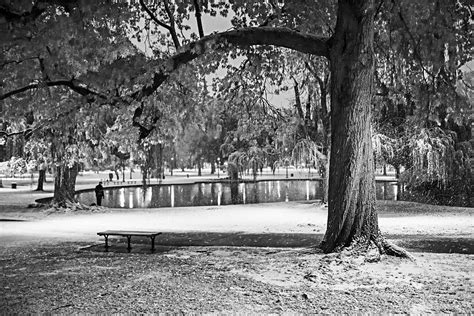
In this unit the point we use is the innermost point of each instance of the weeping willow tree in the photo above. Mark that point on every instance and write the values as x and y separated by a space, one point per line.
253 158
439 169
432 156
311 153
384 147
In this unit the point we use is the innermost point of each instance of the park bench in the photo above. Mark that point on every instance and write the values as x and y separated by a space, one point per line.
129 234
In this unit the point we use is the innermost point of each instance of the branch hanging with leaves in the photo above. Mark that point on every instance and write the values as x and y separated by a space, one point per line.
71 84
282 37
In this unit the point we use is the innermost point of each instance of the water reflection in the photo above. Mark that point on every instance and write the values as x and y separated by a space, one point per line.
121 197
206 194
219 193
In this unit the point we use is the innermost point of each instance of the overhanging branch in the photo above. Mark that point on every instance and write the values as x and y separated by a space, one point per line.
71 84
281 37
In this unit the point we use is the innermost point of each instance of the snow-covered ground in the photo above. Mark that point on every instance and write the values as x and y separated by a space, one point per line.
292 217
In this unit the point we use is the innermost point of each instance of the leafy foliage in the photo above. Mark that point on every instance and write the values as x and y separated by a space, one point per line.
440 172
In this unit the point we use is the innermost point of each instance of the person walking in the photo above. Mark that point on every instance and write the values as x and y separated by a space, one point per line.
99 193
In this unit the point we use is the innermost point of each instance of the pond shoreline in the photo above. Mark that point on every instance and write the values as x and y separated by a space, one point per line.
215 192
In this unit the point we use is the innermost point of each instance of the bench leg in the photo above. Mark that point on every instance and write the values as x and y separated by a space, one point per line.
106 242
128 240
152 243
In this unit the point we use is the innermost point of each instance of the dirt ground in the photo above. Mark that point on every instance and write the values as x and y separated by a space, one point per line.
66 278
257 259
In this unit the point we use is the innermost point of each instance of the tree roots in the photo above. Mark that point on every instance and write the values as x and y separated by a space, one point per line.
376 247
392 249
70 206
372 249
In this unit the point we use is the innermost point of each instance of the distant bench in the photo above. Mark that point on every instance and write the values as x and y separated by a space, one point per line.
129 234
106 182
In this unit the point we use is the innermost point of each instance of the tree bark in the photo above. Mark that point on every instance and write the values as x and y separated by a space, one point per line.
352 217
65 183
351 211
326 122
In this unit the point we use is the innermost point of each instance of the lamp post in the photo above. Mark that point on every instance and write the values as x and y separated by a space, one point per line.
218 166
286 161
171 166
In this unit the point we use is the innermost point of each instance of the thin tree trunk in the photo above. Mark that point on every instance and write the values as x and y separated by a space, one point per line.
144 176
298 107
157 156
41 180
399 185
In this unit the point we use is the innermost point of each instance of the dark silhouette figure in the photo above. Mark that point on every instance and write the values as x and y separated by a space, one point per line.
99 193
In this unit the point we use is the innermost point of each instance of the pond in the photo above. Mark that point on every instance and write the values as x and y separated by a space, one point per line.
220 193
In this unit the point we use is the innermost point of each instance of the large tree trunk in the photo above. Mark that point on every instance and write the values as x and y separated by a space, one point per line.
65 183
352 217
351 213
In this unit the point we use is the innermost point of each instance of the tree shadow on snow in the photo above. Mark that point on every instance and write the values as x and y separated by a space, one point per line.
172 240
167 241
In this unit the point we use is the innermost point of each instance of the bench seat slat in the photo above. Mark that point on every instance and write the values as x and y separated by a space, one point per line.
128 233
